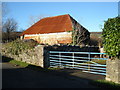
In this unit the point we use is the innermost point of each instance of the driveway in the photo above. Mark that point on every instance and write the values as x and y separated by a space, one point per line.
19 77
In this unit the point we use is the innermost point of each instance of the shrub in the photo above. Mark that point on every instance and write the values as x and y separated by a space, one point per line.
18 46
111 37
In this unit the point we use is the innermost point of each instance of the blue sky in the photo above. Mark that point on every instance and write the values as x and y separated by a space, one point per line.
89 14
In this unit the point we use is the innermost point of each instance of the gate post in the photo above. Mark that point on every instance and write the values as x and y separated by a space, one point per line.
89 61
46 59
73 59
60 59
113 70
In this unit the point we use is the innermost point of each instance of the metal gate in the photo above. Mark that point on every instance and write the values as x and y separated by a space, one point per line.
86 61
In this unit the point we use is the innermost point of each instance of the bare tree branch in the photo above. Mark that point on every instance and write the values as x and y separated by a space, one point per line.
34 19
9 26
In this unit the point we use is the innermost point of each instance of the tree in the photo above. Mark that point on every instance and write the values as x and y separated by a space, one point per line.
80 35
111 37
34 19
8 27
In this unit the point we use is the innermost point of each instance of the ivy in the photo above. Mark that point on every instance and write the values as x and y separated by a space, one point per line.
111 37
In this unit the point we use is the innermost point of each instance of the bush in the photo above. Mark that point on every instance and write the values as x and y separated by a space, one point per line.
111 37
18 46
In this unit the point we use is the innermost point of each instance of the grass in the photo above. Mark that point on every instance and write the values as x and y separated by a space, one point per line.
103 62
19 63
26 65
57 68
105 84
30 66
34 67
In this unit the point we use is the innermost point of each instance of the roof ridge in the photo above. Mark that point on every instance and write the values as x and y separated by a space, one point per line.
56 16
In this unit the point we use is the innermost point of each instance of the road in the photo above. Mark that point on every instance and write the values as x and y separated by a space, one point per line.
19 77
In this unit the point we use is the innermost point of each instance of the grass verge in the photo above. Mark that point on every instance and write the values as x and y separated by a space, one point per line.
19 63
105 84
30 66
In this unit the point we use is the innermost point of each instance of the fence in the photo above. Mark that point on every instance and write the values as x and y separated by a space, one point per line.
86 61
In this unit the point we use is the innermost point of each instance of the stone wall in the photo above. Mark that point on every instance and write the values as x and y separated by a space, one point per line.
72 48
51 38
40 54
34 56
113 70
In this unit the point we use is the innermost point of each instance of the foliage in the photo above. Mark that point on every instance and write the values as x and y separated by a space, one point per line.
111 37
18 46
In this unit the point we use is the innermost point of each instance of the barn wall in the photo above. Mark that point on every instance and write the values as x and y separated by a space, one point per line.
81 34
51 38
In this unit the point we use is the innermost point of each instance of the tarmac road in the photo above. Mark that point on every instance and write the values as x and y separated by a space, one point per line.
19 77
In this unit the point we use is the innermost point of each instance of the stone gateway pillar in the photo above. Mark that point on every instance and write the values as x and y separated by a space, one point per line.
113 70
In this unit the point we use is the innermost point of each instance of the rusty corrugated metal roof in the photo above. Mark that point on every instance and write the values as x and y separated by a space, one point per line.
54 24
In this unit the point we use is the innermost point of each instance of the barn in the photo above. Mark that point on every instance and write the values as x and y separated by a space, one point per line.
57 30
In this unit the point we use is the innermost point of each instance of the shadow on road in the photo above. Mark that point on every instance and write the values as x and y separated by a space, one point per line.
26 78
37 77
67 72
6 59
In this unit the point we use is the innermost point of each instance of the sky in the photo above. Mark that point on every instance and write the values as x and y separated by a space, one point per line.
91 15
